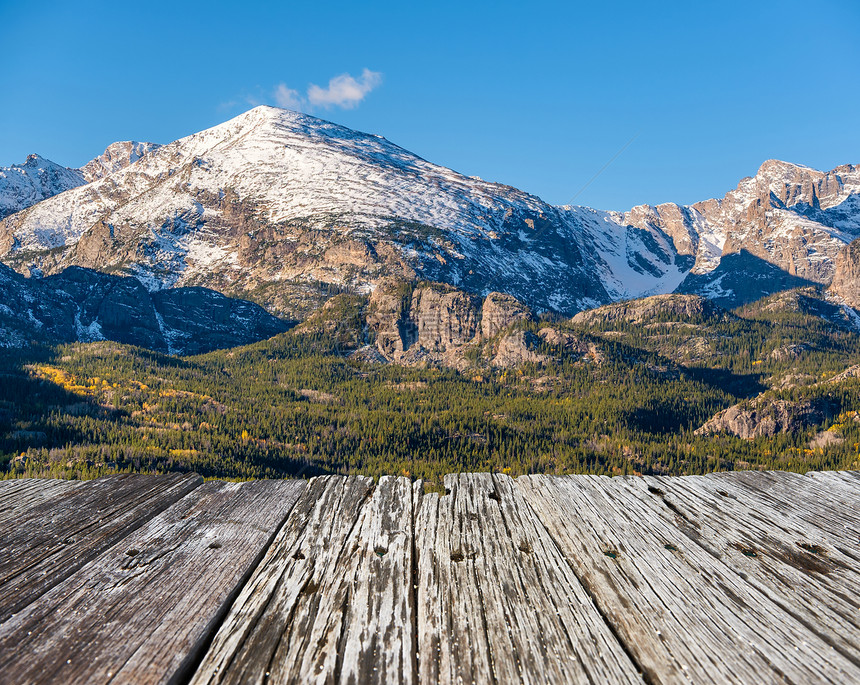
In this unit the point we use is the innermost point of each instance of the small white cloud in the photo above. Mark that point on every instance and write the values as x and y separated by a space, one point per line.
344 91
288 98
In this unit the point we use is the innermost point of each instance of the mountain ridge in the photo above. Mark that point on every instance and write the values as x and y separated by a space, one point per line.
281 208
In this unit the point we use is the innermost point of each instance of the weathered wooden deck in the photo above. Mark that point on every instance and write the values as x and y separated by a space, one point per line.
742 577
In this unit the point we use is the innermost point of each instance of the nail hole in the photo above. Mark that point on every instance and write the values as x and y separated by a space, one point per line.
525 547
298 555
132 552
215 545
814 549
494 496
457 556
68 541
722 493
447 491
655 491
745 550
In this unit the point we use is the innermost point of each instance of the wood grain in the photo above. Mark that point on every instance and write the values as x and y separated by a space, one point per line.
19 495
143 611
497 602
332 600
48 542
788 560
680 610
733 577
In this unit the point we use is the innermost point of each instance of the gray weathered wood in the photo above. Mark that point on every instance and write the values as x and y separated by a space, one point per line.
683 614
142 611
332 600
19 495
496 600
786 559
738 577
830 507
51 540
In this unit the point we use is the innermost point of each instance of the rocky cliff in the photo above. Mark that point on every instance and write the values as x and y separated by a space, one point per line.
846 277
658 308
764 417
787 224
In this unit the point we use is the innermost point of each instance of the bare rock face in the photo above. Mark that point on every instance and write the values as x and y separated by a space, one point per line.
500 311
790 222
763 417
444 317
649 309
517 348
573 344
388 318
437 323
846 279
435 319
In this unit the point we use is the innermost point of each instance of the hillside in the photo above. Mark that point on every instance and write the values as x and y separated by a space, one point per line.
351 391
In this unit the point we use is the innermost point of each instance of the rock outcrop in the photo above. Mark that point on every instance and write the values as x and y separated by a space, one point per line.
764 417
846 278
517 348
499 311
782 228
659 308
437 323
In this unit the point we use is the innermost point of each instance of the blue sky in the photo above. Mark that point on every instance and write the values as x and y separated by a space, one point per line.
538 96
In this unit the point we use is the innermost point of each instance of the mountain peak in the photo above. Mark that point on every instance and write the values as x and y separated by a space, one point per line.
777 167
23 185
34 160
115 157
274 201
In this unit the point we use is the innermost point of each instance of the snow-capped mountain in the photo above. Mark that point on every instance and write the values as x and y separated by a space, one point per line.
274 202
284 208
782 228
37 179
23 185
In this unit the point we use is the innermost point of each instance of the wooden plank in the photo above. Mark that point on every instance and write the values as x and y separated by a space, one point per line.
784 558
830 508
20 495
845 479
496 600
332 600
144 611
52 540
682 613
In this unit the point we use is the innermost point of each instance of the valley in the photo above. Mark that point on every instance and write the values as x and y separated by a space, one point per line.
282 296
